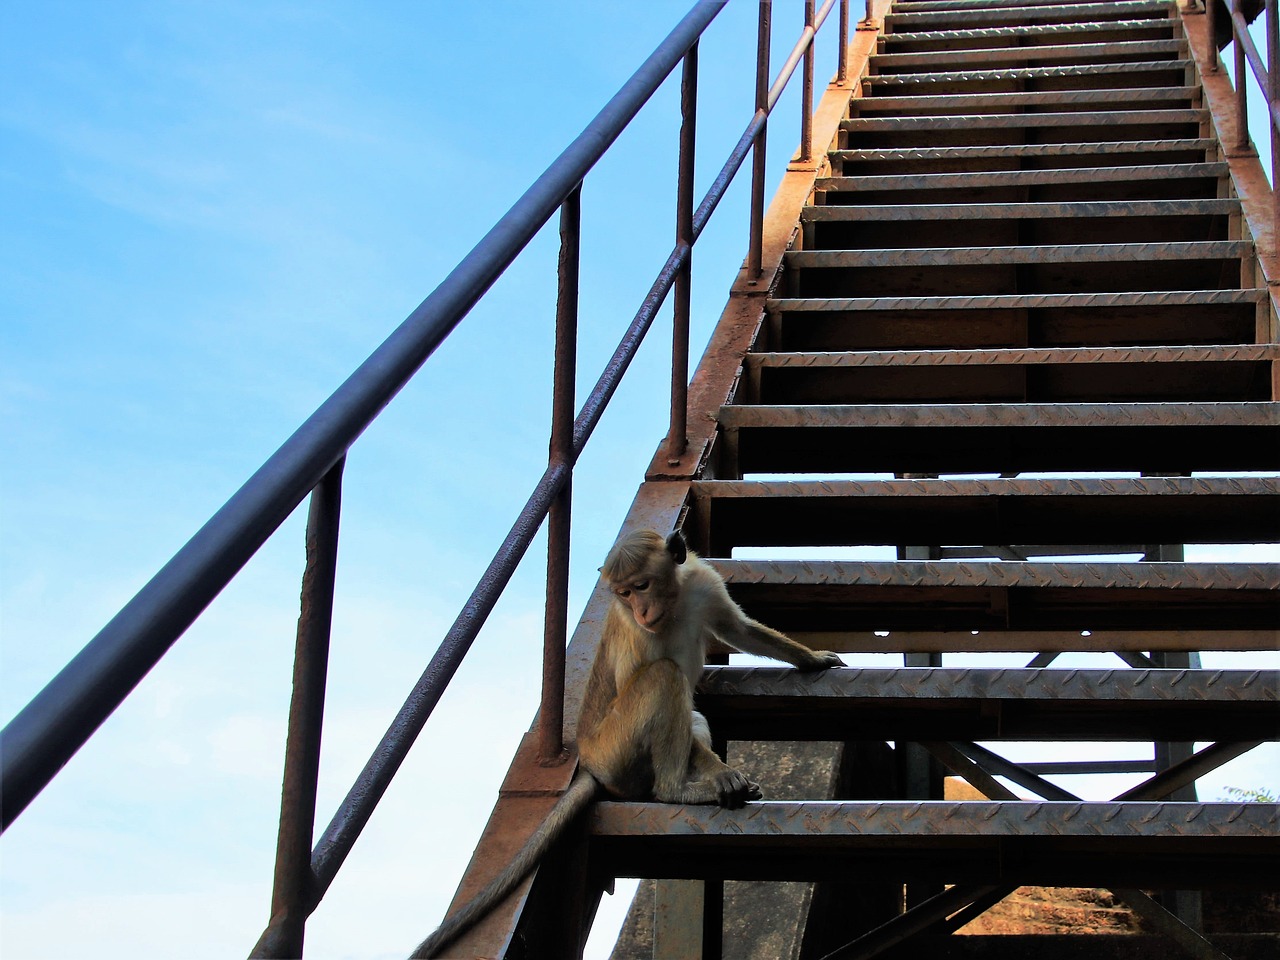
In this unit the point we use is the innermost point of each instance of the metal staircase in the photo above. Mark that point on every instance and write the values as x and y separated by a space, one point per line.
993 359
1018 331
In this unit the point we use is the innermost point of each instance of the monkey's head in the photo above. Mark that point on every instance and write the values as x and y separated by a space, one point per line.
641 570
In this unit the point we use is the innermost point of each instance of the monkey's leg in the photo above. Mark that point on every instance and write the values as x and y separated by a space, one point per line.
648 737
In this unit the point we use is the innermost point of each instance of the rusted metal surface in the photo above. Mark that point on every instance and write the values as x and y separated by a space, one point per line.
1099 121
677 438
1080 30
1099 301
1002 101
1021 211
292 893
1109 148
1020 178
1163 487
1020 301
755 252
928 358
877 81
1003 641
560 512
1247 176
951 59
1096 690
1051 13
1061 253
1145 576
1006 414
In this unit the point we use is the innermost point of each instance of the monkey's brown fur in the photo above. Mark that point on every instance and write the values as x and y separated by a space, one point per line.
638 735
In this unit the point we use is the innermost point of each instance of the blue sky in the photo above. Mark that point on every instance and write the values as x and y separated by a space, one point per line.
213 212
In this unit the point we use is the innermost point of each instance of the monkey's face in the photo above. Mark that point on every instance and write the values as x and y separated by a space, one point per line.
650 596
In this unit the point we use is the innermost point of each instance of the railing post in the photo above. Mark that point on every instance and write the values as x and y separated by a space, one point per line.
755 258
842 60
551 749
1211 26
806 99
1273 95
1242 85
677 436
293 887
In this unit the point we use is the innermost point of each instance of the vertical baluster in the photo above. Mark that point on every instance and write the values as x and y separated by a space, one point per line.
842 57
292 890
1273 96
555 625
1211 20
806 99
1242 85
755 257
677 438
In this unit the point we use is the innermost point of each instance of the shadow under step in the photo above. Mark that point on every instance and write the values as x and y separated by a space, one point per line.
1159 438
735 513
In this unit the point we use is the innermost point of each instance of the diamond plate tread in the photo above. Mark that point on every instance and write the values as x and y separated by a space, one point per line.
1024 574
901 821
926 358
1019 301
980 256
830 213
1024 73
1097 687
1051 13
1107 118
1109 415
1022 178
1029 5
935 59
1004 487
1104 148
998 101
1031 30
920 5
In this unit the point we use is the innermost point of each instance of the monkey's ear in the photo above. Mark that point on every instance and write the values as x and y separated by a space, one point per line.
677 547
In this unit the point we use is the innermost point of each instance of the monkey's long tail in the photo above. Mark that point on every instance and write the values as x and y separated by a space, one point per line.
572 802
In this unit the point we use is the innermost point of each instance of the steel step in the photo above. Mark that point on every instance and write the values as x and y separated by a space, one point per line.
1176 317
1161 438
1101 301
1021 36
885 84
1077 210
1067 253
942 104
1108 148
918 6
1020 15
1106 513
998 842
923 703
1101 120
829 595
1062 54
854 187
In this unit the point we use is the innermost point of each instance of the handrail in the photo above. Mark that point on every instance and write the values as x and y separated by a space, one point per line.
40 740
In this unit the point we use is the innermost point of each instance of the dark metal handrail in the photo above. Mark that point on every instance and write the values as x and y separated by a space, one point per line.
40 740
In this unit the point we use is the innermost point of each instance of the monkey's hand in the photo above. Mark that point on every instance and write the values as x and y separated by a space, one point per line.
822 660
734 789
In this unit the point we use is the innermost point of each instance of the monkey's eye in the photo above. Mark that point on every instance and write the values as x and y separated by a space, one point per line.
642 586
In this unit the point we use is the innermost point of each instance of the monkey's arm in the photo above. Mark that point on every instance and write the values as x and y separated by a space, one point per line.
751 636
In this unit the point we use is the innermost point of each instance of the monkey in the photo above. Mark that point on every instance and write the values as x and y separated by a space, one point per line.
639 737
